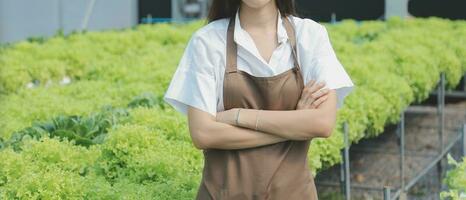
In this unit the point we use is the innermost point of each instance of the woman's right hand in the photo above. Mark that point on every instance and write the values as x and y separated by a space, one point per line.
312 96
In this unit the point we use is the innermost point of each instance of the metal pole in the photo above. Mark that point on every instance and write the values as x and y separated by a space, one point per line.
402 152
342 171
347 168
342 167
60 15
463 137
176 15
333 18
90 8
386 193
441 121
464 82
442 113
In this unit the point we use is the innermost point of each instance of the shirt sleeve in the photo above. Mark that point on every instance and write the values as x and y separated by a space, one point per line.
193 82
327 67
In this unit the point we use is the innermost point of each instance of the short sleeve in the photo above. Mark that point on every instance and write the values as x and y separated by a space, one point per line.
326 67
193 82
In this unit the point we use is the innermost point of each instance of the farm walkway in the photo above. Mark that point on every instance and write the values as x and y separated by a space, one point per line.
375 162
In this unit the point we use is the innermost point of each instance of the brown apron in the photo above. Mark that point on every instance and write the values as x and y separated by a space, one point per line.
277 171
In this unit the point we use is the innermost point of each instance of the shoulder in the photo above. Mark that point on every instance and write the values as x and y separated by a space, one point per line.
206 47
212 36
305 24
308 31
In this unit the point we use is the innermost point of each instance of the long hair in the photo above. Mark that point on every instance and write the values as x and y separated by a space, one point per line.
227 8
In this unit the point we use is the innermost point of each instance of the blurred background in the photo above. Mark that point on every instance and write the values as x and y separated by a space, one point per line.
82 115
20 19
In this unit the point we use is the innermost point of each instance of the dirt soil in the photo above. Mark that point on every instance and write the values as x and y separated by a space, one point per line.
375 162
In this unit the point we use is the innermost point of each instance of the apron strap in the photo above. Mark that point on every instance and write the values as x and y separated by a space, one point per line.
231 48
292 39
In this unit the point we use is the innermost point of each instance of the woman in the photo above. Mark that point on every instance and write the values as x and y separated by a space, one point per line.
257 84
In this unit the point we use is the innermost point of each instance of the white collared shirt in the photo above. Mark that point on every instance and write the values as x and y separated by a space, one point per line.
198 79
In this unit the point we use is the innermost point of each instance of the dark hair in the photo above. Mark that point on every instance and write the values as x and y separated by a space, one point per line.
227 8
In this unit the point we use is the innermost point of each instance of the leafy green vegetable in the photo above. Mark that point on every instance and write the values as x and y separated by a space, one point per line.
83 131
455 180
59 147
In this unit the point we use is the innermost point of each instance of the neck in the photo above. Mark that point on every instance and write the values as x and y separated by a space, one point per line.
263 17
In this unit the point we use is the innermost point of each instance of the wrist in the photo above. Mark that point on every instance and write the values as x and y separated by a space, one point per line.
247 118
227 116
231 115
236 116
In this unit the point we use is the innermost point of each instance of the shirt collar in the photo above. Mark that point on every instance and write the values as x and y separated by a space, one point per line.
242 38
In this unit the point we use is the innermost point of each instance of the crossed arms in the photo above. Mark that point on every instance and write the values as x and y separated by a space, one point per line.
314 117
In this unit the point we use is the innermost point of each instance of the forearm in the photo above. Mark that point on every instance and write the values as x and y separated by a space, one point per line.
292 124
220 135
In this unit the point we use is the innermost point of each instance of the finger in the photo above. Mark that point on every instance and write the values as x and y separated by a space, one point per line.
307 93
304 100
320 93
316 87
318 97
311 82
308 102
310 88
320 101
315 93
304 92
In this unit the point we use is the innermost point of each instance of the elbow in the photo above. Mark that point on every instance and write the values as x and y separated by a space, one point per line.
199 145
200 126
326 129
202 143
200 139
328 124
323 128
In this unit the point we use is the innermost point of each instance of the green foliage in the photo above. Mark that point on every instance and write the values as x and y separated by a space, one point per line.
141 148
134 162
50 169
148 100
455 180
83 131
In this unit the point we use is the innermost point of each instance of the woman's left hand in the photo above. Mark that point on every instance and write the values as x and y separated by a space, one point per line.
312 95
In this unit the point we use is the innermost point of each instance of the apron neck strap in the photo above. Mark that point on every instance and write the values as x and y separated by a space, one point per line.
231 47
231 62
290 31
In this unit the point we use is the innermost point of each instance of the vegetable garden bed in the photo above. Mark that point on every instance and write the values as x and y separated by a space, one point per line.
144 150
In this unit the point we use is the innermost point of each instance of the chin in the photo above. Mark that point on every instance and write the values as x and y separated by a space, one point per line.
257 3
